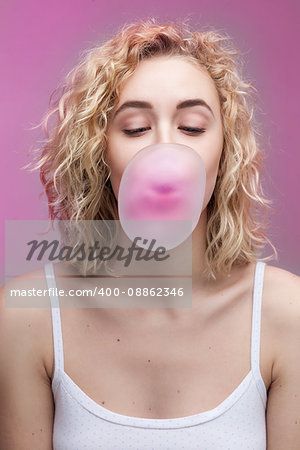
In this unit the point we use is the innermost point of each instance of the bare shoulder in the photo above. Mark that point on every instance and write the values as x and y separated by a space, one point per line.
281 306
282 312
281 276
25 300
25 387
281 293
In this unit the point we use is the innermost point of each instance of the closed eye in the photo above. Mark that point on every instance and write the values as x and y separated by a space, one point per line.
142 129
136 130
192 130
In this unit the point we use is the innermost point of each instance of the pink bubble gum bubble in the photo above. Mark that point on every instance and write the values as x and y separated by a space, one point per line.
161 194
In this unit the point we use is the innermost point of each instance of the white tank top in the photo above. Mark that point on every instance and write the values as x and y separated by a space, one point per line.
235 424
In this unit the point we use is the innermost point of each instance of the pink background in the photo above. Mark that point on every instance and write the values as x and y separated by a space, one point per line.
41 41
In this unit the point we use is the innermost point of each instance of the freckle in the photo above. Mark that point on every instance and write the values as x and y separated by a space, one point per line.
133 403
29 324
118 340
296 395
209 348
148 360
41 429
88 325
103 403
149 409
280 385
178 391
296 421
32 434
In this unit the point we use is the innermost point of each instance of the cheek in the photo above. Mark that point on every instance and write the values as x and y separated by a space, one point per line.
211 167
117 163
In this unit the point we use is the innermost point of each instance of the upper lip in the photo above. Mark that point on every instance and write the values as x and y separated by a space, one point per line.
163 188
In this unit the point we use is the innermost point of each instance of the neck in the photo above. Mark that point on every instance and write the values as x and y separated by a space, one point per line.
198 249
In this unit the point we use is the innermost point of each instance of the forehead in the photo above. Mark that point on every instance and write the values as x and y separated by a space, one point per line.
169 76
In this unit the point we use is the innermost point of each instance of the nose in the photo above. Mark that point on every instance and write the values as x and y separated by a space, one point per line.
164 135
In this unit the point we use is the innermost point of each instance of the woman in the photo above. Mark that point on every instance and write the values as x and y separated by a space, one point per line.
222 374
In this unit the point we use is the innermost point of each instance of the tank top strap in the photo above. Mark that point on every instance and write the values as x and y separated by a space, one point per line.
256 325
56 324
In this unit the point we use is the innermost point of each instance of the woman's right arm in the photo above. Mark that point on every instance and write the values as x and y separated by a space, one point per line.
26 401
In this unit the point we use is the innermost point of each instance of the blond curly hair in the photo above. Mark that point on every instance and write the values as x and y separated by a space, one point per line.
72 164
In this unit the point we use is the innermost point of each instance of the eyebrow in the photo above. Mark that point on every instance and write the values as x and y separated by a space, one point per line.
147 105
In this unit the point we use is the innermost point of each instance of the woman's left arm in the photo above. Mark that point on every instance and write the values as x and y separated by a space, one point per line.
283 405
